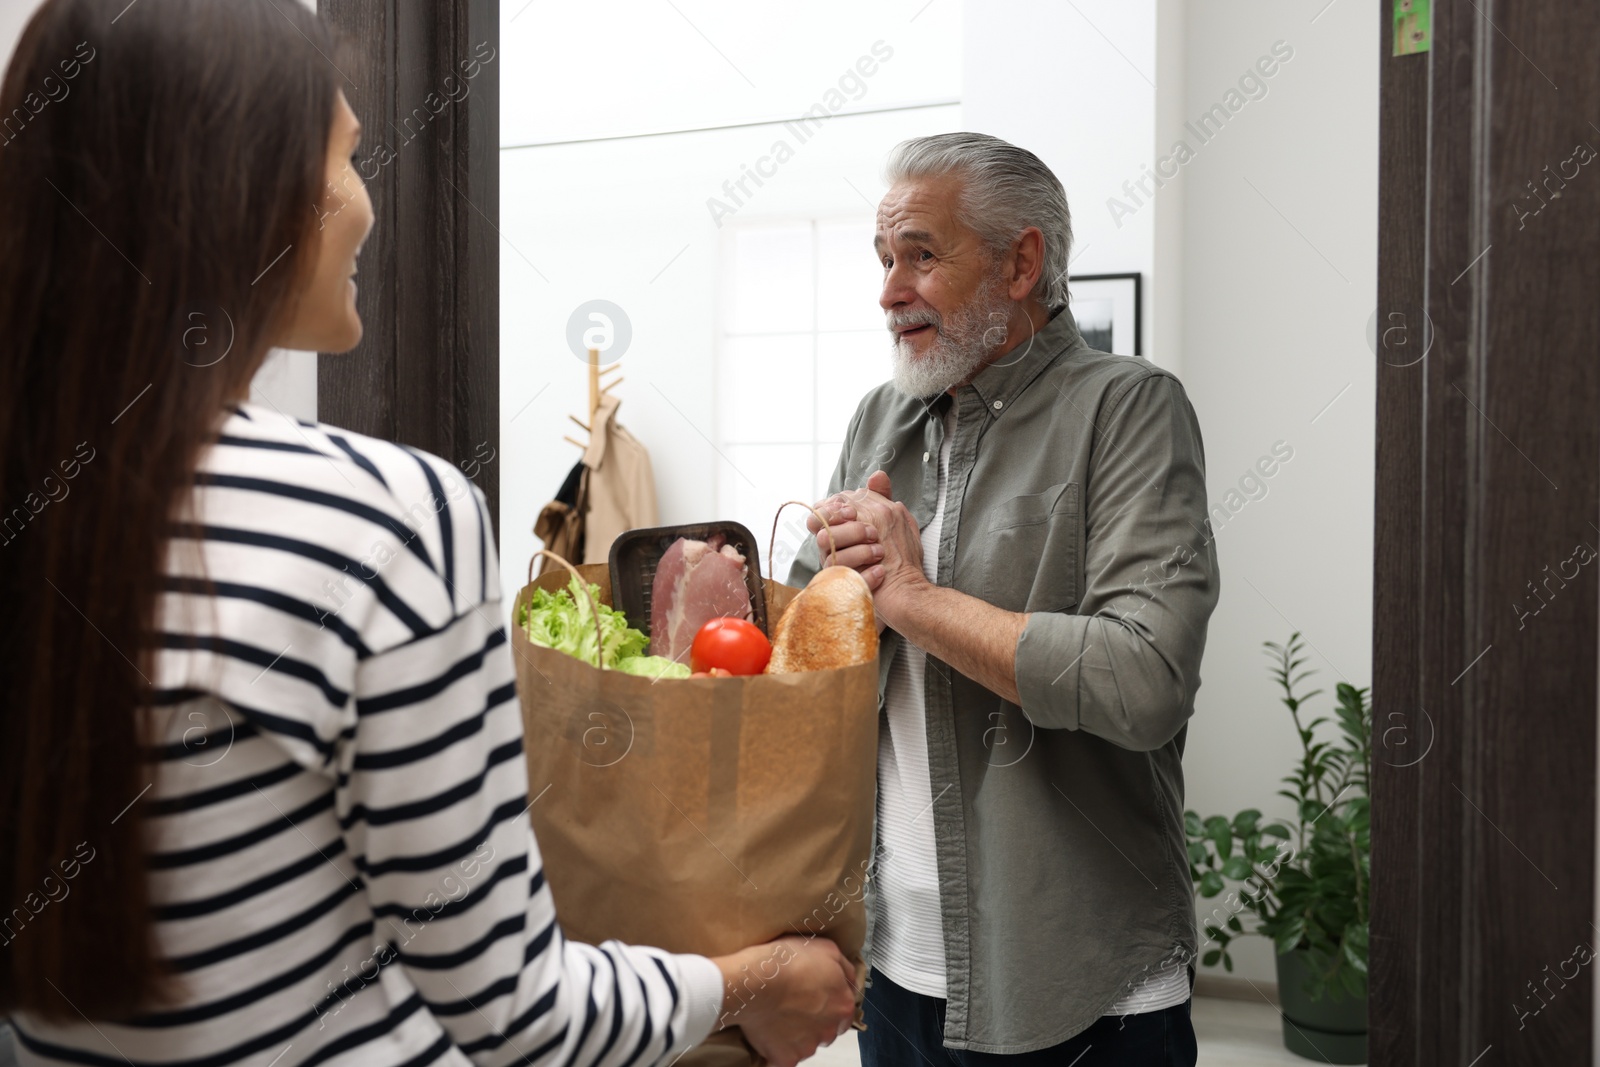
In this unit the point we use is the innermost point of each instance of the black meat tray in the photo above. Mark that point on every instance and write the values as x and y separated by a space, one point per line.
635 554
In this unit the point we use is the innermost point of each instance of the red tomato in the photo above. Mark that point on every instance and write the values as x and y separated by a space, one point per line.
733 645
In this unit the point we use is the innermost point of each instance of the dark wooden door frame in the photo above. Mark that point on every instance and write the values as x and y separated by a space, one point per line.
423 76
1488 450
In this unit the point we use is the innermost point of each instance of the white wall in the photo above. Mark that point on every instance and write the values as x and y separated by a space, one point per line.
1074 84
1279 253
14 15
626 220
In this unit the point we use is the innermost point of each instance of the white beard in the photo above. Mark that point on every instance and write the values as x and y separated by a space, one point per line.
964 341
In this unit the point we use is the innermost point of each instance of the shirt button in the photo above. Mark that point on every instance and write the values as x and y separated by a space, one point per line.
998 405
925 457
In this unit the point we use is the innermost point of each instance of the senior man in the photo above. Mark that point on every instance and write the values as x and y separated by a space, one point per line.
1031 517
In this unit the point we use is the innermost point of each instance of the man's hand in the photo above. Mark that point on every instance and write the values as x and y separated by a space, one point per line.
876 536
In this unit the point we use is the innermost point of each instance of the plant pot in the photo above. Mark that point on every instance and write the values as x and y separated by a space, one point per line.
1325 1030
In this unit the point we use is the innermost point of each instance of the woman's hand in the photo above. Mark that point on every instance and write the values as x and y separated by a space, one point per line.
789 996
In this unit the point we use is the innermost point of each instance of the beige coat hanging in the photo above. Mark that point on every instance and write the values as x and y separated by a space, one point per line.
622 484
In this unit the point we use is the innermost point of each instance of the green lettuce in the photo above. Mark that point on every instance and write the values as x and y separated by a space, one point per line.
653 667
563 621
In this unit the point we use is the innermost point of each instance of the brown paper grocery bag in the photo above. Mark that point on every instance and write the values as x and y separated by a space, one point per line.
705 814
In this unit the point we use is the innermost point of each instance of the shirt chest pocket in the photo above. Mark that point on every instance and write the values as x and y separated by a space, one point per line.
1031 551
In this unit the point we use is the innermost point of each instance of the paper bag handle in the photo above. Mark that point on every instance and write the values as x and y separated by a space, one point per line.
594 609
833 549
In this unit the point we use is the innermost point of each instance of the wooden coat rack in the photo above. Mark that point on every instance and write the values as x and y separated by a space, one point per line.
596 390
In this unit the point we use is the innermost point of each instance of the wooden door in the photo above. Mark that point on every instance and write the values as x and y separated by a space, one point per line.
423 78
1485 632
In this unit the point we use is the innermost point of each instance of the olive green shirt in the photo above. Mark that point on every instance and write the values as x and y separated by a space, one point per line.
1076 493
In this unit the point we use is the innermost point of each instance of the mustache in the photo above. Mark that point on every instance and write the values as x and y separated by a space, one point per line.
900 320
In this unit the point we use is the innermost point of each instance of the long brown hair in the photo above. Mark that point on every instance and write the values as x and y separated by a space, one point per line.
160 167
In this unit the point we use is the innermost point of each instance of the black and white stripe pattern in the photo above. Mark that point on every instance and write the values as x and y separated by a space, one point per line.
340 854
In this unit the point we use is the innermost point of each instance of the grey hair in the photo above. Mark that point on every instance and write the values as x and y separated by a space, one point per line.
1007 189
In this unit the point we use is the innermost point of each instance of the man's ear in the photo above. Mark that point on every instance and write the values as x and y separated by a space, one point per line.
1027 262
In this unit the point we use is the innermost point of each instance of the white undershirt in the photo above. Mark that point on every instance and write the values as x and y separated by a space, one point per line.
908 934
908 931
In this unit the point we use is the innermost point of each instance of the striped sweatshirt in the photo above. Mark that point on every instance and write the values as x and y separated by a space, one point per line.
341 862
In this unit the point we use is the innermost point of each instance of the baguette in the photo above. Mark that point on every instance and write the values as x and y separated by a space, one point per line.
830 624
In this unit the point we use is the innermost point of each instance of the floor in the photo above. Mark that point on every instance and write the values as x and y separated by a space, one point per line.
1239 1032
1231 1033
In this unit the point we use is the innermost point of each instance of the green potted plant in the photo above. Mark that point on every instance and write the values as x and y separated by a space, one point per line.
1305 882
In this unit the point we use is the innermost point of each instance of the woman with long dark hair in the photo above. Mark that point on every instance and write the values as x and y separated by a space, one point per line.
261 767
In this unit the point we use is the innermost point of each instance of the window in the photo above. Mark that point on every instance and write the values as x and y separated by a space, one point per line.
800 341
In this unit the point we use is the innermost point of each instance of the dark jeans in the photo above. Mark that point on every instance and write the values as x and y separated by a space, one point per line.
906 1029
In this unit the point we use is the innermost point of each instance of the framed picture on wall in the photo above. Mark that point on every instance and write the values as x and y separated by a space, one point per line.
1108 309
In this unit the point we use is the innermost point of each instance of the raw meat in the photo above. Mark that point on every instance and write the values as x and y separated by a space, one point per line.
695 582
